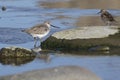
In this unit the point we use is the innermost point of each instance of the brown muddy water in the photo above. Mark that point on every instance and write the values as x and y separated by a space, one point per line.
21 14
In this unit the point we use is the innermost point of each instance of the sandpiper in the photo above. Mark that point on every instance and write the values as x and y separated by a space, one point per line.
39 31
107 18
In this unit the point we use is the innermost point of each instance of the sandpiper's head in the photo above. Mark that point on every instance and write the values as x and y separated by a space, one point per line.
48 24
102 11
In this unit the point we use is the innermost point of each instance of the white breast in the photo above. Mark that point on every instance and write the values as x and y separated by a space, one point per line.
40 35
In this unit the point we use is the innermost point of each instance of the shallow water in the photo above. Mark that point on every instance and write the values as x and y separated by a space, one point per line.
106 67
67 14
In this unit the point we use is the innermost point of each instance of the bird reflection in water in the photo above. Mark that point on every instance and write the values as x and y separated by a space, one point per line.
16 61
42 54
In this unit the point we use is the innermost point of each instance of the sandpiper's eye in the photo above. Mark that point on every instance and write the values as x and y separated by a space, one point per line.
48 22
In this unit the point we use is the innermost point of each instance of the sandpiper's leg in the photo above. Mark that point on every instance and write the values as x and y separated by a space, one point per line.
40 43
35 40
108 23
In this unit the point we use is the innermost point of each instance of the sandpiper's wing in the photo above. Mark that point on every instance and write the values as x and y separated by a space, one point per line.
38 29
109 16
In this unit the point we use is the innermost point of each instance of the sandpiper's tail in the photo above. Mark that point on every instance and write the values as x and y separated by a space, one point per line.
25 30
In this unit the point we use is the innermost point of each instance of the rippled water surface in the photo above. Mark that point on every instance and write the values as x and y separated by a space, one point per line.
21 14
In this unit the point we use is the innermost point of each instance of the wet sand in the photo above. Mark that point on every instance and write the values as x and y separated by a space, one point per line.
94 21
83 4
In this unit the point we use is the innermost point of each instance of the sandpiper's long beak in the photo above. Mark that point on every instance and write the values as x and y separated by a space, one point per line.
54 26
98 12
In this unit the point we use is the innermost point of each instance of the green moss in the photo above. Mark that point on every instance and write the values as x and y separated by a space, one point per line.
16 61
16 52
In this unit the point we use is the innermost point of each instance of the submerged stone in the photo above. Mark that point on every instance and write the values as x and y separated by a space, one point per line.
16 52
56 73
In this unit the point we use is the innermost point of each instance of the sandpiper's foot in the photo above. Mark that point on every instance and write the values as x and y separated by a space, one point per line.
34 46
36 49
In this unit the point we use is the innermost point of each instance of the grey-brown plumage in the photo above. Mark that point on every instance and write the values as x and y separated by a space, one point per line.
39 31
107 17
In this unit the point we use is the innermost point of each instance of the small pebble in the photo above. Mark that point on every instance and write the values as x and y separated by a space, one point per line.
3 8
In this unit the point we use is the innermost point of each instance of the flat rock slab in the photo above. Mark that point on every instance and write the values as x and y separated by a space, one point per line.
91 38
86 32
56 73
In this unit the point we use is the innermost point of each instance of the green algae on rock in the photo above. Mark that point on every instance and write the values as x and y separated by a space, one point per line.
16 61
16 52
